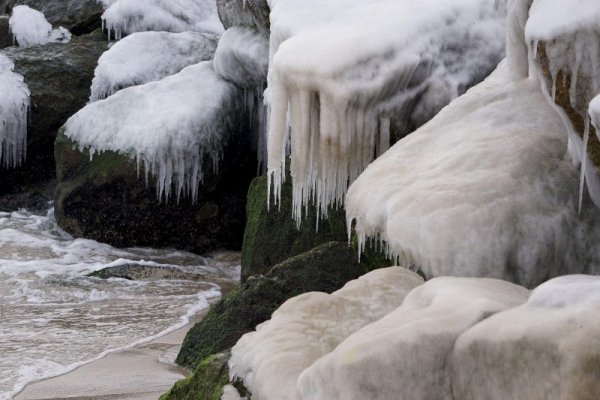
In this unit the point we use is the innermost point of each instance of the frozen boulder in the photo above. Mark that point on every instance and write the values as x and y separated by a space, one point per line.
59 77
160 164
405 355
545 349
149 56
309 326
29 27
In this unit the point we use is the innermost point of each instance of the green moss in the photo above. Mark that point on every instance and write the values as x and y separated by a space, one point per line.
206 383
325 269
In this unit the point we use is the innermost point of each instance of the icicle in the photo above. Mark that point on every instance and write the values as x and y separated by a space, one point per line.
584 158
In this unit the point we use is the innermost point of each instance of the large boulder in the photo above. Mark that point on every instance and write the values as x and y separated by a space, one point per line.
325 269
59 77
78 16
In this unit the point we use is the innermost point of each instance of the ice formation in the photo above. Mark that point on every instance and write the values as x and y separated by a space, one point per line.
404 355
348 73
311 325
482 190
595 112
546 349
14 107
168 126
149 56
30 28
128 16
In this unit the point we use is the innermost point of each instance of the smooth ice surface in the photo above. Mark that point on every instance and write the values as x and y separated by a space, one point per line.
242 57
344 74
14 106
404 354
169 126
30 28
551 341
55 318
549 19
483 189
128 16
149 56
595 112
311 325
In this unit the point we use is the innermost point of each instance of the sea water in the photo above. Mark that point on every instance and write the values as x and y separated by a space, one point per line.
54 318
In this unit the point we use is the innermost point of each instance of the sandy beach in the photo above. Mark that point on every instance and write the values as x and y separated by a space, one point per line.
143 372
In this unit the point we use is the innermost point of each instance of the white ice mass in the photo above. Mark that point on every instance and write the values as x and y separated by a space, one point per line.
30 28
14 107
128 16
311 325
149 56
348 73
170 126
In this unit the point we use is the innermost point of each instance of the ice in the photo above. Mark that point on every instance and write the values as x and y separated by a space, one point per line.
149 56
169 126
14 107
405 354
546 349
242 57
311 325
128 16
30 28
481 190
349 73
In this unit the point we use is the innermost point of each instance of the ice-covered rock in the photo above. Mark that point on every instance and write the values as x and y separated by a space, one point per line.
253 14
546 349
30 28
350 73
242 57
405 354
149 56
14 106
168 126
481 190
128 16
311 325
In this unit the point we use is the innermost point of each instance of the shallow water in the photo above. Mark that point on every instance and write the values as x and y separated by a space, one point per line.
54 318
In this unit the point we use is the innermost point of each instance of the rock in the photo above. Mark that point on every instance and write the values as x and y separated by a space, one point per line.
78 16
271 235
106 200
5 36
546 349
59 77
249 13
36 199
325 269
138 272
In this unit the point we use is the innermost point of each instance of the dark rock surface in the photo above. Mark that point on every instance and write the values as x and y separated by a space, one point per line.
249 13
5 36
138 272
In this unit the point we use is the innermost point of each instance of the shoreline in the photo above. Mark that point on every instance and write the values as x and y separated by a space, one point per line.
143 371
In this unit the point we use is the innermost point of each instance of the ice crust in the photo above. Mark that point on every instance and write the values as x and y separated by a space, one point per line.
551 341
14 108
30 28
128 16
404 354
311 325
345 74
169 126
481 190
149 56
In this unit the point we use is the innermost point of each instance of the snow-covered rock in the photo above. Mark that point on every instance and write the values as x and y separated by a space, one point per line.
311 325
481 190
354 72
128 16
405 354
546 349
14 106
30 28
168 126
149 56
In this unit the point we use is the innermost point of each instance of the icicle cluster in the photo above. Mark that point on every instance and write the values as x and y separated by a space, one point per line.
30 28
128 16
149 56
168 126
344 74
14 107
